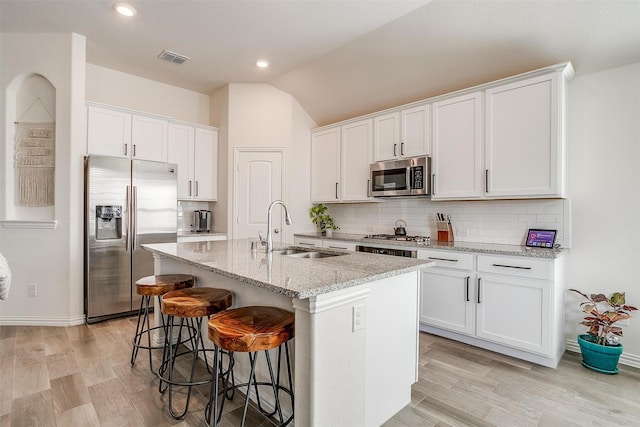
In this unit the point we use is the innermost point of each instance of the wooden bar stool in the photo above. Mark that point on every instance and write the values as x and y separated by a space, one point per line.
250 330
149 287
190 306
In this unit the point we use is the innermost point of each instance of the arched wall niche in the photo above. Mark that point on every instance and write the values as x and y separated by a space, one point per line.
30 148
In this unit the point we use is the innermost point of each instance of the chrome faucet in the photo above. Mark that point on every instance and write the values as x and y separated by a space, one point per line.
287 220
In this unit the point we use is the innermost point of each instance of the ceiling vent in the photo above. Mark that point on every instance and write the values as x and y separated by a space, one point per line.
176 58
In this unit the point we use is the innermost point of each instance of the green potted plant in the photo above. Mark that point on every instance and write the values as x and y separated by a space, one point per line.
600 346
322 219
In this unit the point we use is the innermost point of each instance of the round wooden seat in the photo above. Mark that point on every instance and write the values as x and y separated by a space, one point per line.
251 329
163 283
196 302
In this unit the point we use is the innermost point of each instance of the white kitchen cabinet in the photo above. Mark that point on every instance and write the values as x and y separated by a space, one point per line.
340 159
457 148
308 242
355 161
339 244
524 138
121 133
507 304
401 134
195 151
446 293
325 165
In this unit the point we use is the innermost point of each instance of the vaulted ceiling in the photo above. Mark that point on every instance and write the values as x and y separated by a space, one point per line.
342 58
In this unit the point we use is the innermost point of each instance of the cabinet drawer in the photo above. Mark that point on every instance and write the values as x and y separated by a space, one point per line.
516 266
447 259
339 244
312 243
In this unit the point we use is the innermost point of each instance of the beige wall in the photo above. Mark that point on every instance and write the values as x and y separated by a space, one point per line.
112 87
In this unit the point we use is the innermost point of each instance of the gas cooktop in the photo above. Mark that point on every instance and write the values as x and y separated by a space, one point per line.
398 238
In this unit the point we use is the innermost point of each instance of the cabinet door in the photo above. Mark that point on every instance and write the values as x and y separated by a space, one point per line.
339 244
325 165
205 170
457 148
180 152
356 160
108 132
446 300
386 138
523 140
514 312
149 138
415 132
309 242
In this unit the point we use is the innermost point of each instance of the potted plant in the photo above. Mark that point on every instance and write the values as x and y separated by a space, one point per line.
600 346
322 219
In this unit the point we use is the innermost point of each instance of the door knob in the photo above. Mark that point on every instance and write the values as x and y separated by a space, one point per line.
275 230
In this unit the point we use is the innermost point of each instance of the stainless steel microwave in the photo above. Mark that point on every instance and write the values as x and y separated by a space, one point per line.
406 177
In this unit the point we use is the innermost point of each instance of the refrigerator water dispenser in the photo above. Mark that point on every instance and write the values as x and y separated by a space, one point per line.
108 222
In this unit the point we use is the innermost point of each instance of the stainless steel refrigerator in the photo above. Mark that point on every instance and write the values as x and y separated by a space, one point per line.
128 203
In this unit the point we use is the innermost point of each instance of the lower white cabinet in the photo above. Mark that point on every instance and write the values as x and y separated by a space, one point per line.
308 242
511 305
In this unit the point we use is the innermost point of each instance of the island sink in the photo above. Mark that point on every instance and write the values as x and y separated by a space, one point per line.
305 253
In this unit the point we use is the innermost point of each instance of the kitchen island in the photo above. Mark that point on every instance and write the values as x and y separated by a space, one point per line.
356 344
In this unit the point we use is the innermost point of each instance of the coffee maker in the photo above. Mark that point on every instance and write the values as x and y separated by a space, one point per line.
202 221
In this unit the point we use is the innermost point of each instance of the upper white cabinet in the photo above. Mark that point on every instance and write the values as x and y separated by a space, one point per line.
457 147
120 133
401 134
340 159
195 150
523 138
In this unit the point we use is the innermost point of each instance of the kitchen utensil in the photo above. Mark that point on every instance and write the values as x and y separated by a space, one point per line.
202 220
400 230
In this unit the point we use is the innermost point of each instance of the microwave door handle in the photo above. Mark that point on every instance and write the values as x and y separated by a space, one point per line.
408 179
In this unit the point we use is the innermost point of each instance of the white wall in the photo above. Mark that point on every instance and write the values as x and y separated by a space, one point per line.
50 258
261 116
604 187
113 87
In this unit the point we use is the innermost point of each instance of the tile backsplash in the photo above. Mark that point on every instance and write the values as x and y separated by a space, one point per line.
491 221
185 213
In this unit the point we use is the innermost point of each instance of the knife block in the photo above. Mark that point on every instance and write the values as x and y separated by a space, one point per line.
445 231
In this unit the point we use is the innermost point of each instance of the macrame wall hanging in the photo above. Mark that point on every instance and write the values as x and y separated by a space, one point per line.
35 160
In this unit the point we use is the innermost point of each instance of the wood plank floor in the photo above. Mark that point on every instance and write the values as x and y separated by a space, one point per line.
81 376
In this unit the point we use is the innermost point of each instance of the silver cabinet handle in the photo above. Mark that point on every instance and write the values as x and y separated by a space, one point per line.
467 279
125 149
197 189
338 247
368 188
486 180
337 190
394 149
134 150
402 148
479 279
433 184
189 188
443 259
511 266
306 244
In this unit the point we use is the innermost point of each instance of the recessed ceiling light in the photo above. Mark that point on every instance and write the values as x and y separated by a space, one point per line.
124 9
262 63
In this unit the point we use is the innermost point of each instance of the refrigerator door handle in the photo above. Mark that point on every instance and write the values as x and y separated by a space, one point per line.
134 218
128 207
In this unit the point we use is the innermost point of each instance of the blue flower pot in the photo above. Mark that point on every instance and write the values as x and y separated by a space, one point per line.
600 358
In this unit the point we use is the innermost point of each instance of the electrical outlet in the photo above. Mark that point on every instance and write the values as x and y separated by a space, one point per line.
358 317
32 288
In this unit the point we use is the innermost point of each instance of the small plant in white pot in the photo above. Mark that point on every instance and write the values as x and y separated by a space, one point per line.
322 219
600 346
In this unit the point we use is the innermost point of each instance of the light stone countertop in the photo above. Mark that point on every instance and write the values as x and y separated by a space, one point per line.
479 248
188 233
295 277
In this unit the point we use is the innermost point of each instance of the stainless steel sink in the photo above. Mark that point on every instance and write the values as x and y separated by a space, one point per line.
306 253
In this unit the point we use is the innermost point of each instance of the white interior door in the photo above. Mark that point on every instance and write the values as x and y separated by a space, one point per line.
258 183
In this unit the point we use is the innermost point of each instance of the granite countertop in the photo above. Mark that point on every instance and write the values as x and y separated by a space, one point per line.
479 248
295 277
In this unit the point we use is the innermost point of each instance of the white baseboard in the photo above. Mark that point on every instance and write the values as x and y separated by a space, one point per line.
42 321
625 358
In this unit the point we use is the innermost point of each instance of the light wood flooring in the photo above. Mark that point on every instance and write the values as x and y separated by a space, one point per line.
81 376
